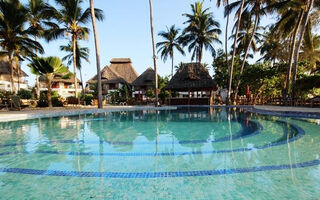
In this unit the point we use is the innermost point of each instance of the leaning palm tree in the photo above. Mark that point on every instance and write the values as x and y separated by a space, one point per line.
39 15
170 43
230 69
82 53
94 25
201 31
154 53
73 19
48 67
14 37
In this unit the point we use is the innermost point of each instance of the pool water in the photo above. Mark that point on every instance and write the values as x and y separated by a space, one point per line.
189 153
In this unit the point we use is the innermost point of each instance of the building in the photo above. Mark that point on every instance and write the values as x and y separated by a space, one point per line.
143 83
115 76
192 85
63 84
5 78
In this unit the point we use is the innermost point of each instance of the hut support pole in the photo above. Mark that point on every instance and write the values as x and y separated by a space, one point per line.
211 98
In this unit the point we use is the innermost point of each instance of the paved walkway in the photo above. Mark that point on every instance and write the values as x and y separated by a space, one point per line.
6 116
288 109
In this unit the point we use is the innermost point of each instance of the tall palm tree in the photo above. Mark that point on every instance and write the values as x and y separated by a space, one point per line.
95 32
309 4
201 31
248 39
154 53
288 26
48 67
311 51
73 19
170 43
82 53
230 70
39 14
14 37
226 15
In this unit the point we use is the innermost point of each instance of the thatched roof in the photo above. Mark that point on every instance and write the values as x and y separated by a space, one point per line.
61 78
145 79
108 76
5 68
191 76
123 67
120 71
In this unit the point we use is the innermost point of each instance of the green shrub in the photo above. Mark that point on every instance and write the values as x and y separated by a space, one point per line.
88 98
5 94
57 100
25 94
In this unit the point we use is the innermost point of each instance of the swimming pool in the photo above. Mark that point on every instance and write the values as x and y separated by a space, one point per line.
189 153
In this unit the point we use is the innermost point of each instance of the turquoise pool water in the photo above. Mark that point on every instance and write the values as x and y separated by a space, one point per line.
189 153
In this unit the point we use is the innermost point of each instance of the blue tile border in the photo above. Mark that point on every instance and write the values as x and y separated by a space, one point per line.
300 133
145 175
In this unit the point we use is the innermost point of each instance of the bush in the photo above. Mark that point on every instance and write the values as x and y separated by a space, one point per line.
57 100
5 94
25 94
88 99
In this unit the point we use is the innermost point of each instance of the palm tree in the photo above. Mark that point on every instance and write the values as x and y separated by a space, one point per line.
226 4
95 31
311 51
82 53
170 43
14 37
230 69
48 67
309 4
154 53
247 40
39 14
201 31
73 19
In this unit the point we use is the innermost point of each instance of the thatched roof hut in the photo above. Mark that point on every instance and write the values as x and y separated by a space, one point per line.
108 76
191 77
5 68
120 71
145 79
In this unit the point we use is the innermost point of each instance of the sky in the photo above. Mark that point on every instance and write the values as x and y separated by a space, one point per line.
125 33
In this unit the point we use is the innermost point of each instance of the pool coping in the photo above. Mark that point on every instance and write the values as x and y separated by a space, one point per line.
35 114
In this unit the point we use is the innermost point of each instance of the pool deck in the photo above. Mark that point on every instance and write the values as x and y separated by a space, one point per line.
287 111
6 116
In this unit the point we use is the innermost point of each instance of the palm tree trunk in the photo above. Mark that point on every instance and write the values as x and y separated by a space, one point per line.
37 77
172 65
226 37
296 56
83 91
234 53
19 74
200 53
246 55
95 31
49 85
292 48
13 88
74 42
154 53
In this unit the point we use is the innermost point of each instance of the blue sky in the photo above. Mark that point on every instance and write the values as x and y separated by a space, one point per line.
125 32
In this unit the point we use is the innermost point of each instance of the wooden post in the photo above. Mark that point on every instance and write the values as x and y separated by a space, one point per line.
188 97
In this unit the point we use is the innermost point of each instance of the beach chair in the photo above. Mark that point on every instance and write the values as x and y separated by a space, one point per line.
315 101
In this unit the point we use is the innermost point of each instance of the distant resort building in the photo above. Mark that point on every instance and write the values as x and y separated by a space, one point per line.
115 76
192 84
62 85
143 83
5 80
